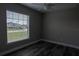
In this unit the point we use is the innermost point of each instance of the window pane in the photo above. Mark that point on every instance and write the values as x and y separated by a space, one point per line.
9 14
25 17
15 15
17 26
20 16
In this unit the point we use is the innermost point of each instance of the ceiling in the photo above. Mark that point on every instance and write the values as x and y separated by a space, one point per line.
44 7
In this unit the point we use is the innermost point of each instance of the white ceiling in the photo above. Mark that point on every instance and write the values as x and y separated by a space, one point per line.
44 7
37 6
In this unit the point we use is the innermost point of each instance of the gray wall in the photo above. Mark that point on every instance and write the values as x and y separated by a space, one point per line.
62 26
35 25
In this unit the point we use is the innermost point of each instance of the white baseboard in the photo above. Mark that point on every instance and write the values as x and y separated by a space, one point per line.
60 43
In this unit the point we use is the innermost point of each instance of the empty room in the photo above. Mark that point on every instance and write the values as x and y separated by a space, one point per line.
39 29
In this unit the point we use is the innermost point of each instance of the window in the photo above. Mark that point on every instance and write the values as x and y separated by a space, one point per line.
17 26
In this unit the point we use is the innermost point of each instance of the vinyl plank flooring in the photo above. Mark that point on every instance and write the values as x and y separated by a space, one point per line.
58 51
45 49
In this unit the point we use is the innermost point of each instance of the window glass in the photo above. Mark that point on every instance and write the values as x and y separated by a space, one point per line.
17 26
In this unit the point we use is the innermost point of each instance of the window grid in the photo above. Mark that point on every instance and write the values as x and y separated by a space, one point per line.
20 21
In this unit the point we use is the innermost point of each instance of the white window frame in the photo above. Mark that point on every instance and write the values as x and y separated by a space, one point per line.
18 20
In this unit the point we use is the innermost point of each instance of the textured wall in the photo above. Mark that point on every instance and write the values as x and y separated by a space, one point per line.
62 26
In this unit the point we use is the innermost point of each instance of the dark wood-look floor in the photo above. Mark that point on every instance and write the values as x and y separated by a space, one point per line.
45 49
